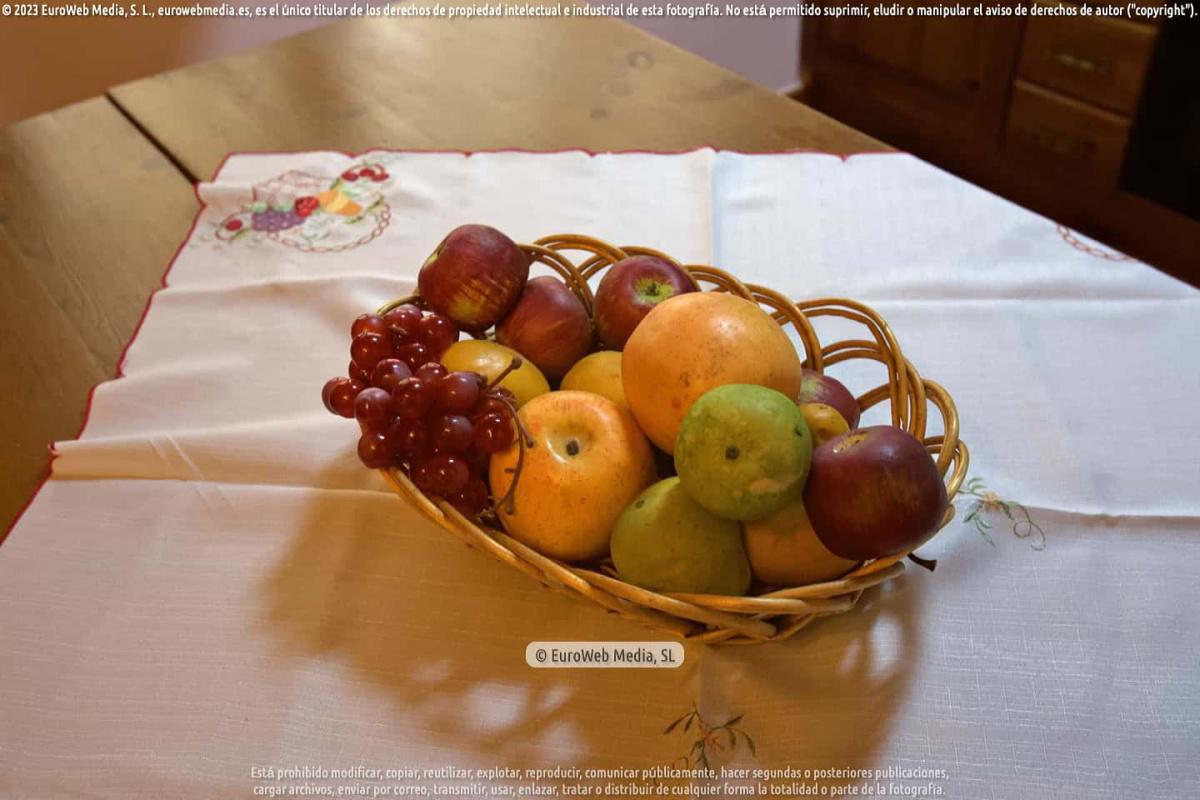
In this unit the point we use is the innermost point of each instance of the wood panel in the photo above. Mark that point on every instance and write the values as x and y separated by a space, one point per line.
90 214
478 84
943 54
895 79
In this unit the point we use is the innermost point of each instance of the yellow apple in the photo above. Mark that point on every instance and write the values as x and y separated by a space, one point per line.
599 373
589 460
489 360
824 422
784 550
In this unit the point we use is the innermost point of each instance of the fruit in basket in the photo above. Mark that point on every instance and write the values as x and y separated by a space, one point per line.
373 409
409 439
431 370
549 325
874 492
445 427
628 291
817 387
472 499
587 461
413 354
787 547
493 432
784 550
451 433
388 373
695 342
458 392
413 398
442 474
404 320
436 333
474 277
666 542
368 349
359 374
368 323
374 449
490 359
824 422
599 373
743 451
339 395
436 425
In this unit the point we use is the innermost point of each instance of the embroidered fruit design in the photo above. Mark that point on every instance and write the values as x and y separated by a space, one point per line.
304 206
371 172
313 213
335 202
275 219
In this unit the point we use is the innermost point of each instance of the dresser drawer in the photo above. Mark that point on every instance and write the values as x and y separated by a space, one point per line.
1103 61
1078 142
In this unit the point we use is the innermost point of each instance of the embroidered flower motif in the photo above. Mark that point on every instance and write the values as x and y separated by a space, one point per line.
989 502
314 213
710 739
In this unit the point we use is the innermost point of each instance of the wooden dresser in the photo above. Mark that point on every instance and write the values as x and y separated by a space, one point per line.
1038 108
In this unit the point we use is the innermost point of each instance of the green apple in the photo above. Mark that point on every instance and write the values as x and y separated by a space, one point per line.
743 451
664 541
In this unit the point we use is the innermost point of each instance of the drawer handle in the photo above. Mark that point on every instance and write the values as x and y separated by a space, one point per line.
1089 66
1064 145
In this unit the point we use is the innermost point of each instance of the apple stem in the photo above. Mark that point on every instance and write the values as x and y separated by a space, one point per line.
513 365
524 440
928 563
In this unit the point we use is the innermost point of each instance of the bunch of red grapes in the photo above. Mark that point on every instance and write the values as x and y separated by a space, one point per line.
439 427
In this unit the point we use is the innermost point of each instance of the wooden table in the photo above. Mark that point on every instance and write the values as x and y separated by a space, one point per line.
92 205
540 84
90 213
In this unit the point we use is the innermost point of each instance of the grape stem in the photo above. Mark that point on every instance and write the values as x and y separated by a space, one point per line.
524 440
513 365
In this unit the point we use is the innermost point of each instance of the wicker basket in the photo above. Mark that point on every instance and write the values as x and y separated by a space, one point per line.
712 619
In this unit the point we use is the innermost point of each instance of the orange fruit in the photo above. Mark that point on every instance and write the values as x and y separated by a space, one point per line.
697 341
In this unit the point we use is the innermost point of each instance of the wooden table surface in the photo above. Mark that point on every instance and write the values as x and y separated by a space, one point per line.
90 214
540 84
92 205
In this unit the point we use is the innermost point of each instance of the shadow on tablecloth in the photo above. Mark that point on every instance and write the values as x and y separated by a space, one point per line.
442 630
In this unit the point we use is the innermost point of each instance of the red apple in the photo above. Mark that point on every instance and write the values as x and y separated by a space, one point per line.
474 277
874 492
629 289
549 326
816 387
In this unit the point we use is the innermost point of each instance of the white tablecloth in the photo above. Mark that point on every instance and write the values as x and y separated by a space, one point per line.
211 583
